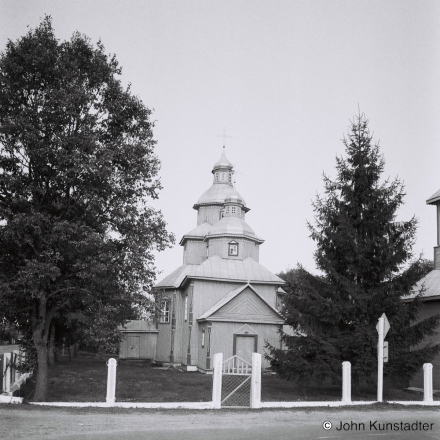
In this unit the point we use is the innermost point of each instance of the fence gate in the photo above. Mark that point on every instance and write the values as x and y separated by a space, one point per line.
236 382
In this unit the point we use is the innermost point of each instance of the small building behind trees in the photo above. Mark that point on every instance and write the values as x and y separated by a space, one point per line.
138 341
431 295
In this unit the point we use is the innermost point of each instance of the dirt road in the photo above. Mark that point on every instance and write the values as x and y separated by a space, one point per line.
26 422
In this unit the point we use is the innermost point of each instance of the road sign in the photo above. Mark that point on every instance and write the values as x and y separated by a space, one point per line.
386 325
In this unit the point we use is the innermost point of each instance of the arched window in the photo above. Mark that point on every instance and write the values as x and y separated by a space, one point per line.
165 311
233 249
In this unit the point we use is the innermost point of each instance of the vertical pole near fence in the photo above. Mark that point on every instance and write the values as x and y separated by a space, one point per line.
256 381
7 372
111 380
380 330
346 382
217 380
427 383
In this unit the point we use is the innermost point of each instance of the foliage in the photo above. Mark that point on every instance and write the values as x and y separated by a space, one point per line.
368 267
77 168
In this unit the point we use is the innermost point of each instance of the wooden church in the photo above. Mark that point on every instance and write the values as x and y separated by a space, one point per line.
221 299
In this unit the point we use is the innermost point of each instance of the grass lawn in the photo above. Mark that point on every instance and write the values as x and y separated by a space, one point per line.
84 380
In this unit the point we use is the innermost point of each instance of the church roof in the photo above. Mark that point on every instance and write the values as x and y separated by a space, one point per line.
432 286
176 278
235 270
223 162
270 311
233 226
200 232
217 194
218 268
434 199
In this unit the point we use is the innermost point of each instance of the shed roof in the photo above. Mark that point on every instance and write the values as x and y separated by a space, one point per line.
434 199
138 326
432 286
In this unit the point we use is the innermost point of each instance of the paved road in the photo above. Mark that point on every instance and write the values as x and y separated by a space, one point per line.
93 424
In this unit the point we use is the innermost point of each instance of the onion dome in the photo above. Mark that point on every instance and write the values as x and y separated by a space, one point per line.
222 163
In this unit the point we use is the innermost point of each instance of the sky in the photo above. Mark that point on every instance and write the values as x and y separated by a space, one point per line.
284 79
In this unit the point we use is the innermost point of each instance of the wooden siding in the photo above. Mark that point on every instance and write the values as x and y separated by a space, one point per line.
208 293
195 252
246 307
246 248
164 336
428 309
222 338
143 343
209 214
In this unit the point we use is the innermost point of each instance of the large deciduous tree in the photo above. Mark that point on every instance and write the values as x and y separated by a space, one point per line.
367 267
77 168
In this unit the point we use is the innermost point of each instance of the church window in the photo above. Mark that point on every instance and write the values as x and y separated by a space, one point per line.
230 177
203 338
233 209
165 311
227 210
233 249
216 177
186 308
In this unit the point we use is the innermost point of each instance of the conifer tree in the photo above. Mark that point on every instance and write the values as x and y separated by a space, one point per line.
366 258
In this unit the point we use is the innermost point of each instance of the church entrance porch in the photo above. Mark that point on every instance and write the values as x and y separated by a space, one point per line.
244 346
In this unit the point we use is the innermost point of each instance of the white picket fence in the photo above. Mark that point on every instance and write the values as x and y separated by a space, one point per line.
236 366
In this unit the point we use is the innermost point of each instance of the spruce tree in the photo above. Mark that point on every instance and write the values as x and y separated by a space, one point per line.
366 259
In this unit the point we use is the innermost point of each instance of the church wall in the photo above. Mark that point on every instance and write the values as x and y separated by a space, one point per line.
209 214
208 293
164 336
222 336
246 248
195 252
267 292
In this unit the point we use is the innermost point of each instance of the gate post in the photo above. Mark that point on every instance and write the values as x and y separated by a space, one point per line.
217 380
7 373
111 380
427 383
256 381
346 382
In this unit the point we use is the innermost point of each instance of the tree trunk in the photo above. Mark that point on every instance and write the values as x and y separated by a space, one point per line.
42 379
51 346
41 321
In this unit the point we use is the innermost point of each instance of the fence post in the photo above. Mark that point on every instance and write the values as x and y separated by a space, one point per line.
427 383
346 382
7 374
217 380
111 380
256 381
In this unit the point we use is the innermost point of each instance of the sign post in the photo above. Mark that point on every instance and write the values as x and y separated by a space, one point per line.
382 328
